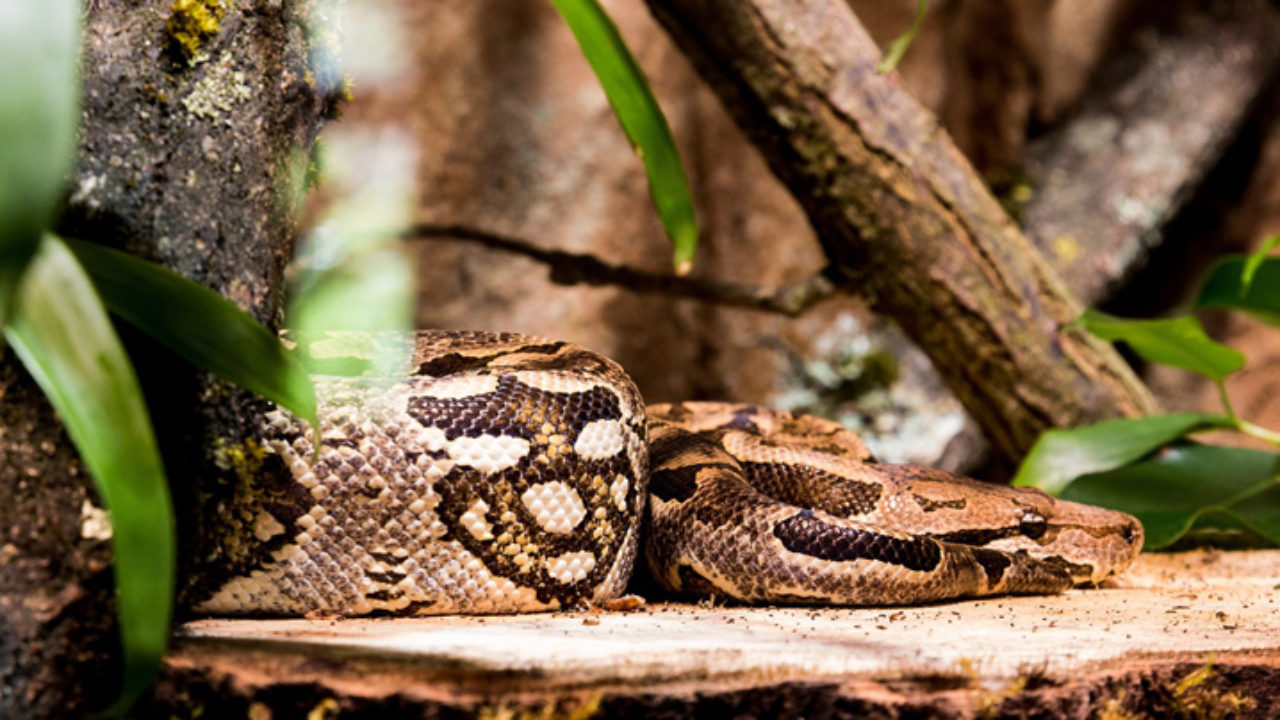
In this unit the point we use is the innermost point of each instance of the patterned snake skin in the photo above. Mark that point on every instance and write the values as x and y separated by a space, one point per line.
501 473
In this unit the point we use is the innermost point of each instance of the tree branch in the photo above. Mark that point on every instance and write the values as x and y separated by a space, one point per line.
568 268
902 216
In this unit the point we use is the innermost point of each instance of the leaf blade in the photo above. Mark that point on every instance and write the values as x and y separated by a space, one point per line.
899 45
1226 287
39 94
1180 342
61 333
228 342
1254 260
1060 456
1171 491
642 120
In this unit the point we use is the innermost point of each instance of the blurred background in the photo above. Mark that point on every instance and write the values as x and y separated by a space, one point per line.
484 114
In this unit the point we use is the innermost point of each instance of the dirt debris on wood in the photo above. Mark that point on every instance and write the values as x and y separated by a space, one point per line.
1195 629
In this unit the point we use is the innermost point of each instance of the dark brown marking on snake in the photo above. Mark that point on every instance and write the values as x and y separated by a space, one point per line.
931 505
976 537
285 502
668 443
390 578
807 534
368 490
693 582
1033 525
573 358
417 607
508 410
811 487
743 419
993 563
462 486
680 483
677 412
830 449
453 363
1073 569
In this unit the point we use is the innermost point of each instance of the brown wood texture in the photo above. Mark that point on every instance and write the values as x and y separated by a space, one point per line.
1178 635
197 167
902 215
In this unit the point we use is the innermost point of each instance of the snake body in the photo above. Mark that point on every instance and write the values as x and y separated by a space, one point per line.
502 473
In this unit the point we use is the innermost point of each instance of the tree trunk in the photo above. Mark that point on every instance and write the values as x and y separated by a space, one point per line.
903 217
197 166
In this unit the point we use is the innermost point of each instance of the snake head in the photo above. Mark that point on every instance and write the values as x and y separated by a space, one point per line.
1089 543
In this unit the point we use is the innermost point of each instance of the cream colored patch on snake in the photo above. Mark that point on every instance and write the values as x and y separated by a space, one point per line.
600 439
460 386
618 492
571 567
555 506
475 523
556 382
488 453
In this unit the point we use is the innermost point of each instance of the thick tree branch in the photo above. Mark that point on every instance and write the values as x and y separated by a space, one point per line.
902 216
568 268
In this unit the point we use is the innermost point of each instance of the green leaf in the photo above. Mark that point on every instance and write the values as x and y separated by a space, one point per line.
642 120
1254 260
1258 293
61 333
1179 342
39 94
1060 456
1261 511
199 324
898 47
1179 486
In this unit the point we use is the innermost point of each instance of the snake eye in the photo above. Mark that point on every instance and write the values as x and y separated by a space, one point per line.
1033 525
1130 533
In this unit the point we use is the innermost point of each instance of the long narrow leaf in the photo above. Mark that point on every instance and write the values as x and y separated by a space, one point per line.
199 324
61 332
642 120
898 47
39 91
1060 456
1226 287
1180 342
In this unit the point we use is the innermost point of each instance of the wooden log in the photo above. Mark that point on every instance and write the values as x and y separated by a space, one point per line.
903 217
1175 632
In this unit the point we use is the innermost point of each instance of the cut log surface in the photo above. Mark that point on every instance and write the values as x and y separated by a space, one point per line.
1168 617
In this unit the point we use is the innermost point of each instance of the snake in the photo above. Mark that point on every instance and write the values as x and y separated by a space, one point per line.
486 472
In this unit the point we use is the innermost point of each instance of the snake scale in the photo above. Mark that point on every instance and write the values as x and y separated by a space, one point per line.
502 473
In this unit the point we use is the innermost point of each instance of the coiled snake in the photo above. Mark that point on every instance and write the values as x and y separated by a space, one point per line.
502 473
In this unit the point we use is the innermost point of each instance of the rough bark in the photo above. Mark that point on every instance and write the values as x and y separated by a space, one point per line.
1107 182
901 213
196 167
